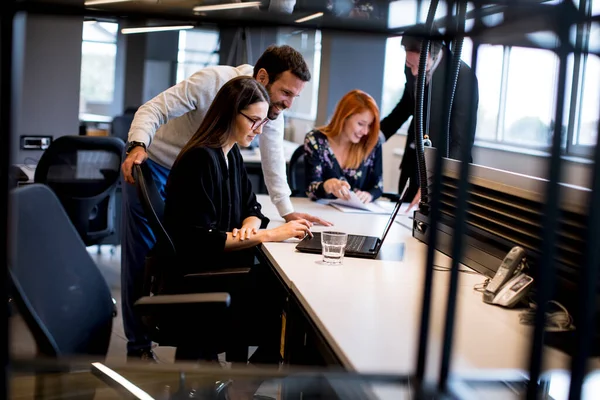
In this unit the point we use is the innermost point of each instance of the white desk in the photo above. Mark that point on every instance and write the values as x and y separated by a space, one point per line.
369 310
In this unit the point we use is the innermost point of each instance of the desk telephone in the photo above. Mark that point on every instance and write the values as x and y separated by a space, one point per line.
510 285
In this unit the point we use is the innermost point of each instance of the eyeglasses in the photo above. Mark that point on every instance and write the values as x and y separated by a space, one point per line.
256 123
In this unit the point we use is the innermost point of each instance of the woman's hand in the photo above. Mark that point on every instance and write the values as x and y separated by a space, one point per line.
365 197
250 227
245 232
297 228
338 188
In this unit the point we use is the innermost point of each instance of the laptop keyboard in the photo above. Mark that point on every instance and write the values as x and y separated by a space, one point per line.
355 243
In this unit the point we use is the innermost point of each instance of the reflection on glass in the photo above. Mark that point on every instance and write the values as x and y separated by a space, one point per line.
198 48
530 97
402 13
489 76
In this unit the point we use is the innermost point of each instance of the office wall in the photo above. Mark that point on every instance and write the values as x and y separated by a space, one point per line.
234 51
349 61
48 66
160 66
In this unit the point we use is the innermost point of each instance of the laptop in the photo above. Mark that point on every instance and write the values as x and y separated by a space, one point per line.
358 245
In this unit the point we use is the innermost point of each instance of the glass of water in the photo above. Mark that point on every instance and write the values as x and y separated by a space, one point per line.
333 245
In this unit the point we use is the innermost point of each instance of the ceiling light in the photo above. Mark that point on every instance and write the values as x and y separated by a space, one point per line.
227 6
308 18
98 2
146 29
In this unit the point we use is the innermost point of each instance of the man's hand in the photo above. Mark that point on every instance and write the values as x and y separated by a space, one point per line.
365 197
137 156
310 218
415 201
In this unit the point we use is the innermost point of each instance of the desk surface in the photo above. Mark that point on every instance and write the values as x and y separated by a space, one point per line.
253 155
369 310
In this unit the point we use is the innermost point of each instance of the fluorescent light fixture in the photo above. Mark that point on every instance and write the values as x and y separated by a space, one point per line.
227 6
147 29
98 2
125 384
308 18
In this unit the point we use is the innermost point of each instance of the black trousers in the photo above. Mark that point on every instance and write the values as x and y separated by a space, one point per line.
252 319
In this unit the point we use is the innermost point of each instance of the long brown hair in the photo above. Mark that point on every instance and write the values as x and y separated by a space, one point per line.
354 102
237 94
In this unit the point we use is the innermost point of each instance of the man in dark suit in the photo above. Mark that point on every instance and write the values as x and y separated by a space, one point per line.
433 115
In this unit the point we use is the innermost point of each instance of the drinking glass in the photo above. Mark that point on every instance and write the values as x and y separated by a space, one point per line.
333 245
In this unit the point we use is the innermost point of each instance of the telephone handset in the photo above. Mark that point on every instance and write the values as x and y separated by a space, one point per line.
510 284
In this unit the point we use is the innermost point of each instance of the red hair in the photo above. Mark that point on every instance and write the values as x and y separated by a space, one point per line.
354 102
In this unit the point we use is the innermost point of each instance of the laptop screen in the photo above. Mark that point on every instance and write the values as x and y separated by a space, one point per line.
394 213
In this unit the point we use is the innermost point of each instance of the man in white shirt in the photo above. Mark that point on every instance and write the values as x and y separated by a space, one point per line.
161 128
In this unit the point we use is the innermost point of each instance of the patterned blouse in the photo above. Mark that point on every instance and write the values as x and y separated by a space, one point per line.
321 165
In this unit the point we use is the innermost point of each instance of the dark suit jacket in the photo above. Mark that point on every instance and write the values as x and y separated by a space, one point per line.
466 87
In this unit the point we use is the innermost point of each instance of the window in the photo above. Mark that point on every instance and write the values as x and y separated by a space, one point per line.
198 48
98 58
308 43
530 97
517 86
587 122
393 75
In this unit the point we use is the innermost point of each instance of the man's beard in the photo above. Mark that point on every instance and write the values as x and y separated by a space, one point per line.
273 112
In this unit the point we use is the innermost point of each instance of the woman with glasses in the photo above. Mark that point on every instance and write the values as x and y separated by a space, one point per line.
345 155
211 212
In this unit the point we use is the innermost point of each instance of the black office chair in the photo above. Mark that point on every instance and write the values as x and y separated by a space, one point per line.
297 173
122 123
84 171
58 289
230 280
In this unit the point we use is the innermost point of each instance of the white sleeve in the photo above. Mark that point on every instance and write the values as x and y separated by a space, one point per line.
274 166
196 91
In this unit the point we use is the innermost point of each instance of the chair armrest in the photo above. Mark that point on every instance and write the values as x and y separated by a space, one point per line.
171 302
219 272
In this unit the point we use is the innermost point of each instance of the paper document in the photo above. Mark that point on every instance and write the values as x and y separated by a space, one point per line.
354 205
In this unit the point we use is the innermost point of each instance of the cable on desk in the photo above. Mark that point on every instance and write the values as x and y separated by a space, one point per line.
557 321
480 287
447 269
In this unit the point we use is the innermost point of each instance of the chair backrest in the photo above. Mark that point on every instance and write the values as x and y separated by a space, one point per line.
120 126
84 172
58 288
153 206
297 173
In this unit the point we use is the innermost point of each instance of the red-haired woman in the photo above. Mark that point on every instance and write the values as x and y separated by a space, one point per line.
346 154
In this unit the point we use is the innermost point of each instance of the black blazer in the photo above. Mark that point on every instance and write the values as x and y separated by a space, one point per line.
205 199
466 87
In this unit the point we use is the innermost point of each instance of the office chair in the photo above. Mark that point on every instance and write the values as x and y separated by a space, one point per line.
57 287
84 171
230 280
122 123
297 174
